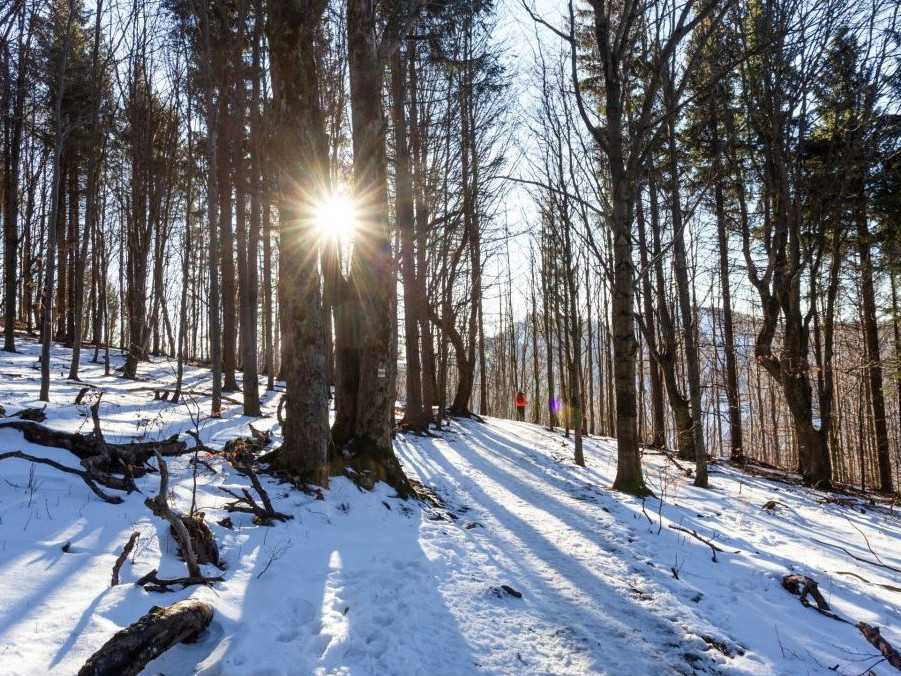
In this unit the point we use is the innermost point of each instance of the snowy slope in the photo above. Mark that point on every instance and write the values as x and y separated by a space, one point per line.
362 583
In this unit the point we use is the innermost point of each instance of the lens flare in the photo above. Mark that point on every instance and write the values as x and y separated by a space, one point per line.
336 216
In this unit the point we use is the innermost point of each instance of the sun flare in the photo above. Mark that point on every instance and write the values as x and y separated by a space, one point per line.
336 216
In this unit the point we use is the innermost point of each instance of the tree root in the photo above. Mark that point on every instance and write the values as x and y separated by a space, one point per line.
365 463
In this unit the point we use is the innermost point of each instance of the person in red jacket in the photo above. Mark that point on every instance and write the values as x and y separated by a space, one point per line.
521 403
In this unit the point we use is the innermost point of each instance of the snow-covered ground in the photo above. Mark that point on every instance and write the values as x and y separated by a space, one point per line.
364 583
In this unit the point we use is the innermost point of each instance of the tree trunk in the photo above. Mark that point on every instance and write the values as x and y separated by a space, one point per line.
414 416
873 359
11 194
369 354
60 133
226 253
687 314
250 297
301 159
736 440
650 333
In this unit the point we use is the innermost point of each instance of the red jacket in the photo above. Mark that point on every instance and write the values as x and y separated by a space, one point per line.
521 400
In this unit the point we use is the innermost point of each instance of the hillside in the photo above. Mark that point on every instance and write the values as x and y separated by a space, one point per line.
523 563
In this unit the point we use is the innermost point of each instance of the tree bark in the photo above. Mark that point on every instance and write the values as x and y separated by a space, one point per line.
413 416
873 359
129 650
60 134
301 160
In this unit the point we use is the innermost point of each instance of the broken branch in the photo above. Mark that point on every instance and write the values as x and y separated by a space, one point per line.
106 497
695 535
126 550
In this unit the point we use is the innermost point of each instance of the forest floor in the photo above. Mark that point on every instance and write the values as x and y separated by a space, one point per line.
532 565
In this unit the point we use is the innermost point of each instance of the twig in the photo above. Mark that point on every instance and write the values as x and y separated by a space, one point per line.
855 557
695 535
865 580
865 539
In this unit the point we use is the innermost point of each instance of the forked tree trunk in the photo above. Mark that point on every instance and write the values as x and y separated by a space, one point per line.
368 353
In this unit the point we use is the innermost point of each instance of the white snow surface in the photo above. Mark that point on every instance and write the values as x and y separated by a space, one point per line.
365 583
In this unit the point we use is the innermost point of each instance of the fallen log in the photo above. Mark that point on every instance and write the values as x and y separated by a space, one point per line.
32 414
130 649
85 476
109 456
87 445
202 539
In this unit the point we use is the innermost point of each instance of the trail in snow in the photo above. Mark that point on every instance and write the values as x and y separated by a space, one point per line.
363 583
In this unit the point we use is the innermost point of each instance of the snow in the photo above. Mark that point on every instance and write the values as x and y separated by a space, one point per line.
364 583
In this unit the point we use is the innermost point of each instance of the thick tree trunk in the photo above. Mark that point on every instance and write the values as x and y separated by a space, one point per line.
372 279
629 476
301 159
